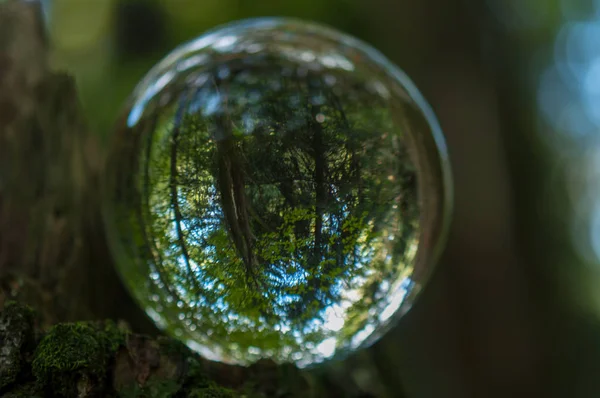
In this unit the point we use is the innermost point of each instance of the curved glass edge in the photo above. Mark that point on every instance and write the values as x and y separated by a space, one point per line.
267 23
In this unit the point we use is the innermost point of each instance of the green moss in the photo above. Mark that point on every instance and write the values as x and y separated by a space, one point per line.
114 335
16 338
211 391
197 385
73 357
194 377
195 373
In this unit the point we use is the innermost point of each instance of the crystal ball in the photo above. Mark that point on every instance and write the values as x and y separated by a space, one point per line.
276 189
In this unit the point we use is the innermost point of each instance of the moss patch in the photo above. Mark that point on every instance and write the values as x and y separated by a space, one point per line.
198 385
72 358
114 334
211 391
99 359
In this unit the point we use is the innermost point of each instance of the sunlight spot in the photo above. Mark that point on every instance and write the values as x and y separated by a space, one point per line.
334 318
202 350
394 303
307 56
327 347
192 61
225 43
361 336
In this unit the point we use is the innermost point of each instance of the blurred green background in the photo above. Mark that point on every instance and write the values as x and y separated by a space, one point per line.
514 306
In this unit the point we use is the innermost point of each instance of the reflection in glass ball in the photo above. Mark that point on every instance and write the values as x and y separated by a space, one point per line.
276 189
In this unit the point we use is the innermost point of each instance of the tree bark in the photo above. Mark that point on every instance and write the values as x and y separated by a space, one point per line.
53 253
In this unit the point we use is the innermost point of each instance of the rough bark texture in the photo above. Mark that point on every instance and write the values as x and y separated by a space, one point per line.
53 252
54 258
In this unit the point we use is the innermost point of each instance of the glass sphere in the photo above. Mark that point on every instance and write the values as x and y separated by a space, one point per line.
276 189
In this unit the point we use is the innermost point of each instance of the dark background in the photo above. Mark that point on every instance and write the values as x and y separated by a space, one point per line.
514 306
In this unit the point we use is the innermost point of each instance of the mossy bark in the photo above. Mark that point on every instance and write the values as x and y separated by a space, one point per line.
54 258
103 359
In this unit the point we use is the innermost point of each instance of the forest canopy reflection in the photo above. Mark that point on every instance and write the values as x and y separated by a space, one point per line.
269 203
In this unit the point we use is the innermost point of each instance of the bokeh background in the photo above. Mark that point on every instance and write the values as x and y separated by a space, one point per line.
514 306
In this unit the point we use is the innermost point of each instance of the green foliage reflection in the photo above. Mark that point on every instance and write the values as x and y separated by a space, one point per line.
273 210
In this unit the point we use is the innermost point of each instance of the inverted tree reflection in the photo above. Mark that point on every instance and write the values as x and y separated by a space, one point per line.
273 207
